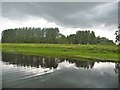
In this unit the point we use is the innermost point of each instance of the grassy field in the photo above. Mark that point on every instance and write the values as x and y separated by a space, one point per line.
82 52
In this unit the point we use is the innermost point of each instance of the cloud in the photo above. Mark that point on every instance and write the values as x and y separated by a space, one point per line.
41 22
68 16
77 14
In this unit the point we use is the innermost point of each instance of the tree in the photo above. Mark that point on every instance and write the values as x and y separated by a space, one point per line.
117 33
71 39
61 39
52 35
92 38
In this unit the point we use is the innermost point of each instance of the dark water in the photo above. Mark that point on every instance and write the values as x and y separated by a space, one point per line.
24 71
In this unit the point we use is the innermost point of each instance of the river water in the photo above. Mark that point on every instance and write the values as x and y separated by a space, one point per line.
25 71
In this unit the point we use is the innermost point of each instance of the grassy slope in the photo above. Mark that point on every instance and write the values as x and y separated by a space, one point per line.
95 52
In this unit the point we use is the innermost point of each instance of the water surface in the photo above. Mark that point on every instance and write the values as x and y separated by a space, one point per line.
25 71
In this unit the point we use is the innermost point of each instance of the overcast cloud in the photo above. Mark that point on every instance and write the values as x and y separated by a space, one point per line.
82 14
97 16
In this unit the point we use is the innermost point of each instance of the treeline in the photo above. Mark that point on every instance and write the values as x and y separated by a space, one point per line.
51 35
45 62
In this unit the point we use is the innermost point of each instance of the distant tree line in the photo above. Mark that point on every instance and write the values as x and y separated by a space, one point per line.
51 35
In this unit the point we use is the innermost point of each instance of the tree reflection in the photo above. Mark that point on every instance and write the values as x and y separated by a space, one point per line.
82 64
45 62
32 61
117 70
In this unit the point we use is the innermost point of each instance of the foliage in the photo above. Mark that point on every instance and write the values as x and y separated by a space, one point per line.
51 35
82 52
117 33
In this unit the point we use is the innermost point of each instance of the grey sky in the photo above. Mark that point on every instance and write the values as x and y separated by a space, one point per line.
78 14
101 17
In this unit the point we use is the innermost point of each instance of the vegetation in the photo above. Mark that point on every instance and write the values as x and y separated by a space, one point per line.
84 52
51 36
50 42
117 33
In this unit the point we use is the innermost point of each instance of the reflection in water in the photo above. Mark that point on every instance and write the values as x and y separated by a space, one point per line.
33 71
46 62
37 61
117 70
0 71
32 61
49 62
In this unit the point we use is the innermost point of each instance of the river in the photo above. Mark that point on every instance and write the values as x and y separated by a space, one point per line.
25 71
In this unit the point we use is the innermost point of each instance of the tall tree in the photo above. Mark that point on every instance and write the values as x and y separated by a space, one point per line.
52 35
117 33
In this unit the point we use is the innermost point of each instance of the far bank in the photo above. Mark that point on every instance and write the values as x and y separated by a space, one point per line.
72 51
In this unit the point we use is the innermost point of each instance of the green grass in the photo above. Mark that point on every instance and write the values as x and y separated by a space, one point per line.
82 52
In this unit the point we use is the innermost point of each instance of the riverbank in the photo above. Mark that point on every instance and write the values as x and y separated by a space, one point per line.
81 52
